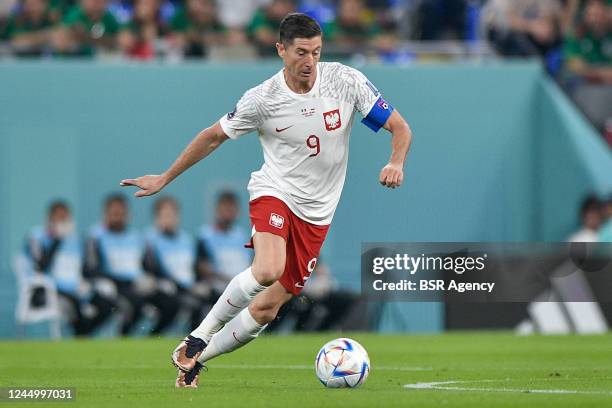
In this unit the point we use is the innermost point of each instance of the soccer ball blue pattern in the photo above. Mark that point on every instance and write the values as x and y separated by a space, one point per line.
342 363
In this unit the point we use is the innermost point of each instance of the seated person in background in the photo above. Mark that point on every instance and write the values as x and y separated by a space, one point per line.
442 19
87 28
588 53
323 292
7 7
114 256
221 251
171 257
588 48
354 25
520 28
59 8
591 214
238 13
28 31
195 28
569 13
605 233
573 10
263 28
386 45
56 250
141 36
607 212
322 307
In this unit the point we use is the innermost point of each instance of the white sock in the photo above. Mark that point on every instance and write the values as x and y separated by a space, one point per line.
236 296
235 334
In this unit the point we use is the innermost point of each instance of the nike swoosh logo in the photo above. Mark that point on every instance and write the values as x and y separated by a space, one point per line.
230 303
299 285
236 338
283 129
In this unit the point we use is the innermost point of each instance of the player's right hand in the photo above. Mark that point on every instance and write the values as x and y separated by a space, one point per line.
392 175
148 185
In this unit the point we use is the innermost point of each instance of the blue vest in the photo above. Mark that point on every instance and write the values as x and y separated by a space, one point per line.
66 266
176 255
121 253
228 254
605 232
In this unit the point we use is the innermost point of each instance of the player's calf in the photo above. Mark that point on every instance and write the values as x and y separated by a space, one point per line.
266 305
251 321
236 296
264 313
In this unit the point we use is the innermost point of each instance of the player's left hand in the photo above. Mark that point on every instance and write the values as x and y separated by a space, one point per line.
392 175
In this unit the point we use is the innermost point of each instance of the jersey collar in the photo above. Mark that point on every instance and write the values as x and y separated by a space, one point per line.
308 94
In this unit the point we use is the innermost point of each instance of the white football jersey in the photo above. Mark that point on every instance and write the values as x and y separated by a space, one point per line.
305 137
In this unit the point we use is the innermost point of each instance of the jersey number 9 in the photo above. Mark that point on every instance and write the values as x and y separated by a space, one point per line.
313 142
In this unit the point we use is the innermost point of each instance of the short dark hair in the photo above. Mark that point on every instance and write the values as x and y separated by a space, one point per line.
165 200
227 196
298 25
115 198
57 205
590 203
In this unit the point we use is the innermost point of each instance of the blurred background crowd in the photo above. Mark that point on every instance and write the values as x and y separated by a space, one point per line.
165 277
157 280
572 37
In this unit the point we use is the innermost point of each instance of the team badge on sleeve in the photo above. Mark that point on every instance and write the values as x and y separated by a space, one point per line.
332 119
383 104
378 115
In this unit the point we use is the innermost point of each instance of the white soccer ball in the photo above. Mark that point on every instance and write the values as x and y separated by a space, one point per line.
342 363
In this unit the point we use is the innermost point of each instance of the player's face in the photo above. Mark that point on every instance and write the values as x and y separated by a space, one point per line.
116 216
227 212
595 16
167 218
60 215
301 58
60 222
592 219
96 7
146 9
35 8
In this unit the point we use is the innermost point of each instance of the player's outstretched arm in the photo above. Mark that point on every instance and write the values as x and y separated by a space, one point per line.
201 146
392 174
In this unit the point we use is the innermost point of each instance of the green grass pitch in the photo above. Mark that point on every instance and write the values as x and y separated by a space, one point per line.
486 369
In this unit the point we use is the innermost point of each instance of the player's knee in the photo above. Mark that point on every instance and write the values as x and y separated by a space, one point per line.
263 313
268 272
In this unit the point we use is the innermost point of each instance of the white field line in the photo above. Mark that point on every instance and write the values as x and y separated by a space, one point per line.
448 386
306 367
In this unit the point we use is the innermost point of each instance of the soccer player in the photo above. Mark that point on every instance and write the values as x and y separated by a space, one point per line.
303 116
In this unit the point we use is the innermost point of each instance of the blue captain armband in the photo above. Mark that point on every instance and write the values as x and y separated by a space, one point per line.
378 115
